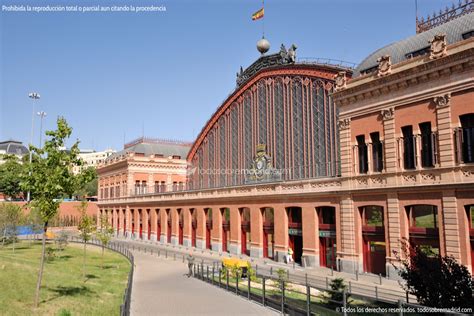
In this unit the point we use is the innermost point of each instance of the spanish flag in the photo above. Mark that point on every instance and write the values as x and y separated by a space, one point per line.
258 15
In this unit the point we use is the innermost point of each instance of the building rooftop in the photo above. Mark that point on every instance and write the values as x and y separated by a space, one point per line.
456 30
153 146
13 147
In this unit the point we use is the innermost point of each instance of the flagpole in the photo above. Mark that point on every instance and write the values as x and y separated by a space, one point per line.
263 19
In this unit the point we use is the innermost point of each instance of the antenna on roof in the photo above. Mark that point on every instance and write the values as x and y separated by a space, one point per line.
416 14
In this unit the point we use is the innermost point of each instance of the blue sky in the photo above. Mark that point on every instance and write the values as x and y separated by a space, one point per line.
117 75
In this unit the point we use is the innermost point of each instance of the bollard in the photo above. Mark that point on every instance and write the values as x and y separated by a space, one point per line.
407 297
376 293
207 273
212 275
380 278
227 280
282 297
248 293
332 271
357 275
400 307
183 258
350 287
263 290
344 303
308 300
306 278
237 283
219 271
327 283
271 270
294 265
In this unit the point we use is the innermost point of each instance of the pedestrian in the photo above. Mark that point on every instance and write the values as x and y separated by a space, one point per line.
190 259
289 257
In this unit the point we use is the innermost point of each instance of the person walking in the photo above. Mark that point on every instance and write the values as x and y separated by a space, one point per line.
190 259
289 257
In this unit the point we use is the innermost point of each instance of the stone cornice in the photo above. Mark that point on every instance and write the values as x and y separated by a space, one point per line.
404 74
429 179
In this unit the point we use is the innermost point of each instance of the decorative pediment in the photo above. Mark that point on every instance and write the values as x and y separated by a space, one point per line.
438 46
385 65
340 80
443 100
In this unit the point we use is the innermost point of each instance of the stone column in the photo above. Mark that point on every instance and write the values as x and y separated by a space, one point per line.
443 122
174 226
390 158
349 259
394 234
370 163
164 225
145 223
310 236
256 232
281 232
201 228
128 218
346 148
216 232
235 231
137 221
154 224
449 232
187 227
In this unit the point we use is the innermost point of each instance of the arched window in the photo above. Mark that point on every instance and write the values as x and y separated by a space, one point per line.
424 216
372 216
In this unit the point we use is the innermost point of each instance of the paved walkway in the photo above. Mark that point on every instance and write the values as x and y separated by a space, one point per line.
364 284
160 287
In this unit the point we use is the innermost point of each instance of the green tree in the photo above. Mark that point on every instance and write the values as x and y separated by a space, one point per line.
86 228
435 280
11 173
11 216
338 287
104 235
89 188
50 177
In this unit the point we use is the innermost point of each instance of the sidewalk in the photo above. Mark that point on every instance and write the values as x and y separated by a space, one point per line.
319 277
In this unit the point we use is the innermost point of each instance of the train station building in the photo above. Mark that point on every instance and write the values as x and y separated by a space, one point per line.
339 164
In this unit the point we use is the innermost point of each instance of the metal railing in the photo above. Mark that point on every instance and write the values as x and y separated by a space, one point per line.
377 291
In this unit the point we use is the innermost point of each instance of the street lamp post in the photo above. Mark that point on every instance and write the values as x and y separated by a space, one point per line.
42 115
34 96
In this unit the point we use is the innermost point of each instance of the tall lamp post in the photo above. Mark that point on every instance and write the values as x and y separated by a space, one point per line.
34 96
42 115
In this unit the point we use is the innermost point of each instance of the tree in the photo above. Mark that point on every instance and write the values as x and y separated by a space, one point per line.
50 177
435 280
89 188
104 235
338 287
86 228
11 173
12 216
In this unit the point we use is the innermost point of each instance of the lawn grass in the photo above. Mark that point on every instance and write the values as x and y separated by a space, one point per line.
63 287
